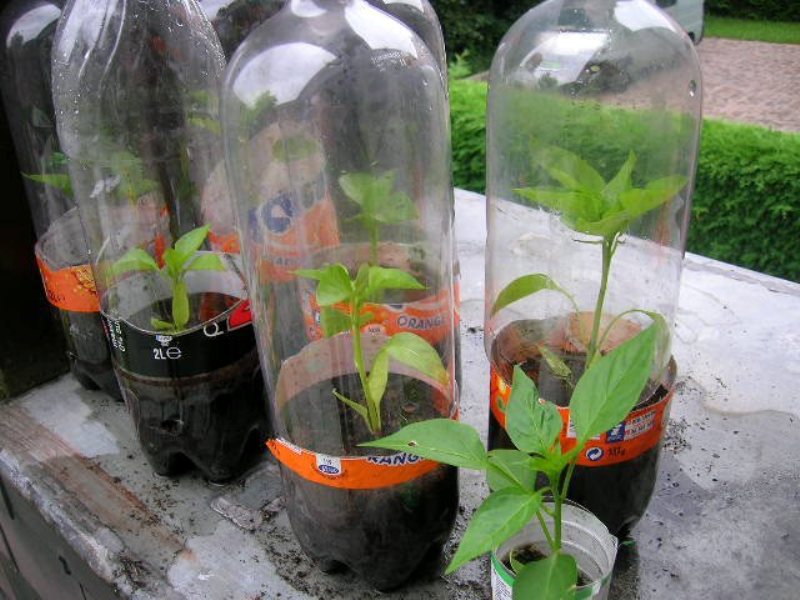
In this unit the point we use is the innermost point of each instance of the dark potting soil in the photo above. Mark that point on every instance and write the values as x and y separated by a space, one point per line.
530 553
215 421
88 353
617 494
383 535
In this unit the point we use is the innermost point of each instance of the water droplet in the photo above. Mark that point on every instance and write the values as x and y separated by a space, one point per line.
692 88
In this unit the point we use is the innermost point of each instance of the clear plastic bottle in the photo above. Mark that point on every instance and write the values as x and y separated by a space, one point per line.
27 28
593 128
233 20
337 144
136 97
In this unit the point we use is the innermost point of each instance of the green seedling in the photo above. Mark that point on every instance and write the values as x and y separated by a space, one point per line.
380 205
52 177
178 261
589 204
603 396
344 309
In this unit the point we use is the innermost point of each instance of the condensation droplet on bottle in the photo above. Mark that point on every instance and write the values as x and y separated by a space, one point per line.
692 88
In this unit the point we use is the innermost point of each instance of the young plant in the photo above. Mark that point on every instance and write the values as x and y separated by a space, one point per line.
380 204
343 301
589 204
178 261
603 397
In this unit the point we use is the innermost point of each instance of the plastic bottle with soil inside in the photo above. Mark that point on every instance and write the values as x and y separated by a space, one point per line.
136 98
593 126
337 143
27 28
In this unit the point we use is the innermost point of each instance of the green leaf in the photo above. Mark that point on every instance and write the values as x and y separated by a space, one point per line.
414 351
552 578
609 390
294 147
522 287
510 468
333 321
173 264
160 325
442 440
206 123
189 243
354 405
378 376
207 262
134 259
532 424
569 169
621 181
558 367
334 283
180 305
58 181
640 201
606 227
397 208
571 204
382 278
501 515
516 566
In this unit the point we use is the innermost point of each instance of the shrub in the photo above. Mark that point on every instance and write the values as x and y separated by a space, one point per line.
768 10
747 197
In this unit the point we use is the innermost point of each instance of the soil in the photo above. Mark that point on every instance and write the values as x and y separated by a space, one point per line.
530 553
617 494
383 535
87 351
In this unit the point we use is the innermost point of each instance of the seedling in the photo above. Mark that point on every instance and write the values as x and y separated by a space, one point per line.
589 204
344 308
178 261
603 396
380 204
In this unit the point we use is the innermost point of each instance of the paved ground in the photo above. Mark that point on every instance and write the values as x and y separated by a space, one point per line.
751 82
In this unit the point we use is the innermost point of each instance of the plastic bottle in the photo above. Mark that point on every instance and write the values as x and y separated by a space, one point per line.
233 20
593 128
136 98
27 28
337 144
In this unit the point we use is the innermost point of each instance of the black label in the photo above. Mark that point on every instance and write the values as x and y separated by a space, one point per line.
218 343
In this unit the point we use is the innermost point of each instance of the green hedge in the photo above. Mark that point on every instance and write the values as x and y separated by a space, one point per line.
747 198
767 10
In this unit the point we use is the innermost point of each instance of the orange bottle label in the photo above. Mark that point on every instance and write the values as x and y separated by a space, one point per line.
357 473
70 289
639 432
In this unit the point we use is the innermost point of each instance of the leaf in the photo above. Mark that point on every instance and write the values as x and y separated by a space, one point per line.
552 578
160 325
414 351
443 440
501 515
606 227
516 566
334 283
510 468
333 321
382 278
532 424
207 262
206 123
172 261
621 181
293 148
354 405
569 169
609 390
522 287
134 259
378 376
189 243
58 181
640 201
571 204
555 363
180 305
397 208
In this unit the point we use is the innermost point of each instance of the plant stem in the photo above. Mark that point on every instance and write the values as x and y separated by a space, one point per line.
608 253
373 237
546 530
373 416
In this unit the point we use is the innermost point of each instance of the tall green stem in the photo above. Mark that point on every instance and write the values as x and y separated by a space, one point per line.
373 238
608 254
373 414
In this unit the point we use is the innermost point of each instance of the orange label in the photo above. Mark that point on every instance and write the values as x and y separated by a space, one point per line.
638 433
361 473
429 318
70 289
225 242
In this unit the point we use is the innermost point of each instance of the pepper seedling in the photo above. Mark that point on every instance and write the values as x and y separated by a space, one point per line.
603 397
588 204
343 301
178 261
379 204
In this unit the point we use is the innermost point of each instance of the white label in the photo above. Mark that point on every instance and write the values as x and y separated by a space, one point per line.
329 465
500 589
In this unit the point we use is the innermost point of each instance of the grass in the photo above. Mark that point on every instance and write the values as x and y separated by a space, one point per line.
759 31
